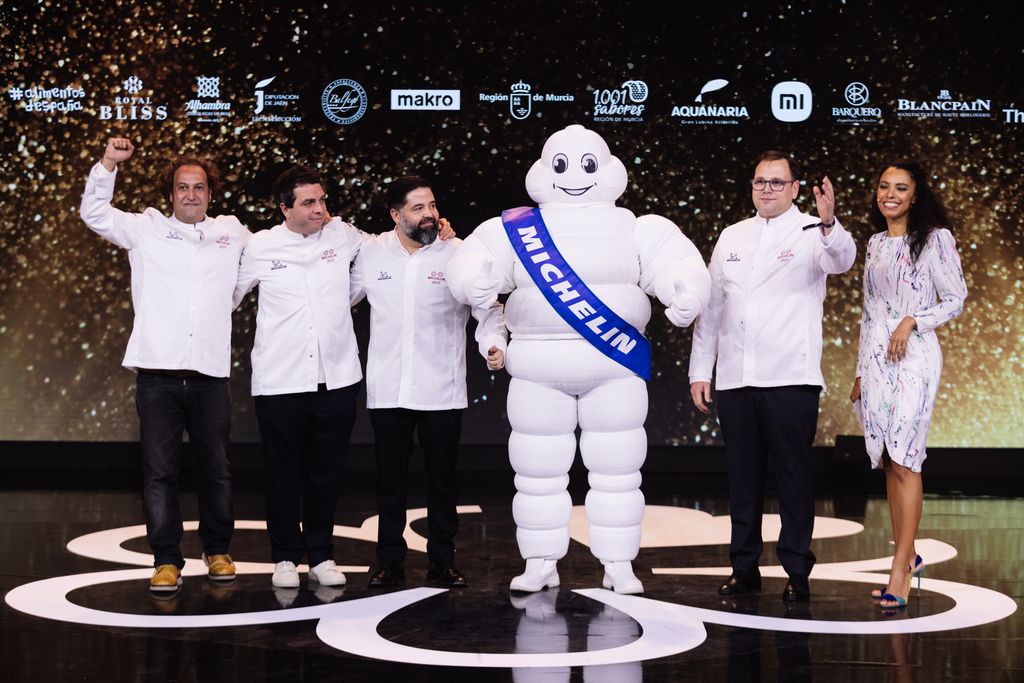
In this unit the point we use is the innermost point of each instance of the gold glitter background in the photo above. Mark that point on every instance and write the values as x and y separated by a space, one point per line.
64 292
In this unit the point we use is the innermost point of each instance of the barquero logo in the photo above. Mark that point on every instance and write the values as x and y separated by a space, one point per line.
857 96
344 101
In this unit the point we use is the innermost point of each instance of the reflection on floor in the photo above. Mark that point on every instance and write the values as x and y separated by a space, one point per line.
679 630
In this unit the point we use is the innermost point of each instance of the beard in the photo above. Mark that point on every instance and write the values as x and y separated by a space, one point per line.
425 232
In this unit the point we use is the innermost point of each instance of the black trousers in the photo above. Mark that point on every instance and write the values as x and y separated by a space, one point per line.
305 439
168 406
779 422
439 432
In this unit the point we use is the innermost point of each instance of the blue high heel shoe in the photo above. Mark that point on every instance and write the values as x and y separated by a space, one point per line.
917 571
890 602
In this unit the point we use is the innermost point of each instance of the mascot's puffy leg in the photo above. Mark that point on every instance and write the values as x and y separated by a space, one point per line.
541 449
614 445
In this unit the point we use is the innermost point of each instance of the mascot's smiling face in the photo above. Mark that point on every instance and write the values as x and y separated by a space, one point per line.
576 167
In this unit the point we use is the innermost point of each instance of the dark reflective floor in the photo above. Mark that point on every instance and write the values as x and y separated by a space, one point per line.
487 619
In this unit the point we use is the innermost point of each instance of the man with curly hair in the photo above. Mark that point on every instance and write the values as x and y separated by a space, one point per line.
184 269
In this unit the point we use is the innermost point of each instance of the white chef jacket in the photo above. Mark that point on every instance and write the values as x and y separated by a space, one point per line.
304 329
417 354
767 291
183 276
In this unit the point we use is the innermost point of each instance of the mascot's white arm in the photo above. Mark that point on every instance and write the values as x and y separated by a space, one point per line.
482 267
672 269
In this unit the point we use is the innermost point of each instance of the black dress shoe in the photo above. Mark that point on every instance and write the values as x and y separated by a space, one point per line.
740 583
446 577
387 577
797 590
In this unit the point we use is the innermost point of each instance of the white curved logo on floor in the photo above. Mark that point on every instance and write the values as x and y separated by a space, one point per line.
666 628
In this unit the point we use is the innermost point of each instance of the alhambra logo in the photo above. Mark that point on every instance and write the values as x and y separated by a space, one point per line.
207 105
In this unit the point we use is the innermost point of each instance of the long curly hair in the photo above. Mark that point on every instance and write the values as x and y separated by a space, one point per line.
926 213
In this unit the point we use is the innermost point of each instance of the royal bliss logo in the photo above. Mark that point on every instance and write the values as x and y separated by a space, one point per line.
131 106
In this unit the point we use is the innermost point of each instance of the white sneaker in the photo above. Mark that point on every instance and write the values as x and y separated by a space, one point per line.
539 574
285 575
327 574
618 576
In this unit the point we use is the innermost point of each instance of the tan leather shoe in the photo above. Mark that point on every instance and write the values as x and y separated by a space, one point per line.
221 567
166 578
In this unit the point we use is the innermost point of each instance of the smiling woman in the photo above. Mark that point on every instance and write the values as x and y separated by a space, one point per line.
912 284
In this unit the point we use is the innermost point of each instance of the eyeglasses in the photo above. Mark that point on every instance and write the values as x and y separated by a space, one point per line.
775 184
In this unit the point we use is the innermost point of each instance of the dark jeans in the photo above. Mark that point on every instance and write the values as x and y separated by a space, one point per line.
757 423
439 432
168 406
305 439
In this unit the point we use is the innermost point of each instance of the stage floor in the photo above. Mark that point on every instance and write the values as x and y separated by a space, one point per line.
962 625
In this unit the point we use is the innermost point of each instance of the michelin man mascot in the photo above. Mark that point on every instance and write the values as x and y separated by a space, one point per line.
579 270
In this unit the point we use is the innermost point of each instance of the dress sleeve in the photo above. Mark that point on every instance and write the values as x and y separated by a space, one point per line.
948 279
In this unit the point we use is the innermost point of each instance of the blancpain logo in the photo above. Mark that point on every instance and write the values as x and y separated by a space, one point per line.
624 104
47 100
132 107
944 106
521 98
701 112
207 105
858 113
268 104
430 100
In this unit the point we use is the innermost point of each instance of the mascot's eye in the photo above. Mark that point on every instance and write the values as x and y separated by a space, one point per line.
589 163
560 163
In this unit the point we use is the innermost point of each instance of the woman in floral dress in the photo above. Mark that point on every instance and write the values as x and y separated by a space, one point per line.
912 284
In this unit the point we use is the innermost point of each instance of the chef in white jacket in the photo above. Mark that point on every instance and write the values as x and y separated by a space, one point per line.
416 374
763 326
305 371
580 271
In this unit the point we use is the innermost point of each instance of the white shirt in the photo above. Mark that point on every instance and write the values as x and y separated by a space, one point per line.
183 276
417 354
304 332
767 291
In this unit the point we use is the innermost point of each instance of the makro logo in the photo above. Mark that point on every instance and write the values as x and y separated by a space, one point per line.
47 100
624 104
132 107
429 100
344 101
792 101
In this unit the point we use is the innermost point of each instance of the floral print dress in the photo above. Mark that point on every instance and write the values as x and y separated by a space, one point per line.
897 398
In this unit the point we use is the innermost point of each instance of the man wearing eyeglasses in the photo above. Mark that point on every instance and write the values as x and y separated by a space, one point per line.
763 326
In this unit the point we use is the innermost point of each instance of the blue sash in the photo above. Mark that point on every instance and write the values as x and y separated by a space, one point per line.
570 296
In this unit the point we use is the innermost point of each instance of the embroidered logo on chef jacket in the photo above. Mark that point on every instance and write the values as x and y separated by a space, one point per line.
733 258
785 256
171 235
328 256
436 277
224 241
383 276
277 265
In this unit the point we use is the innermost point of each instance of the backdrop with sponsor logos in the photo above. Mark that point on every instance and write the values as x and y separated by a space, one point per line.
370 91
